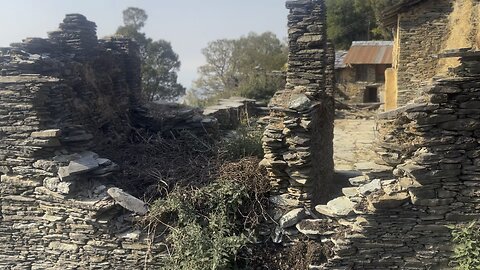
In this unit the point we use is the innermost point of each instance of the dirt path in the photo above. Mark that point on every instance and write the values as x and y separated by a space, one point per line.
353 143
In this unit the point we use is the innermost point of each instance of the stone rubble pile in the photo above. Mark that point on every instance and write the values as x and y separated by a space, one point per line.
166 118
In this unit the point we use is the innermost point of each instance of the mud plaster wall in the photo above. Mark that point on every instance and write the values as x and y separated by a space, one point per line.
463 31
60 99
427 30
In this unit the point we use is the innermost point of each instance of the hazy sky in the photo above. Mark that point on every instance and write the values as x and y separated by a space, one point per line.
188 24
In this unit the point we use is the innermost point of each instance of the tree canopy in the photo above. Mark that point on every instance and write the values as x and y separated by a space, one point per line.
243 66
160 63
350 20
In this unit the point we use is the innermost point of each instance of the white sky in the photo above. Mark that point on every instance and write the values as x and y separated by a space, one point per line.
188 24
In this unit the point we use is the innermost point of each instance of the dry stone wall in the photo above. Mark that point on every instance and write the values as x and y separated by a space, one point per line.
61 98
399 214
298 140
423 32
404 221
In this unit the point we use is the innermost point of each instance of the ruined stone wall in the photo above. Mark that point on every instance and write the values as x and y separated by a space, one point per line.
298 141
60 99
422 34
404 221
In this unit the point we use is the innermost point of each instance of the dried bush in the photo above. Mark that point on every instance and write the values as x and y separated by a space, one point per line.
152 165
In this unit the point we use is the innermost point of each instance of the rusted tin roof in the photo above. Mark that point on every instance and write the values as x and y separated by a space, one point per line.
389 15
370 53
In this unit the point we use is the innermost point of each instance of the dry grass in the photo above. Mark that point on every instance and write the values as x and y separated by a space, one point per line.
152 165
463 32
248 174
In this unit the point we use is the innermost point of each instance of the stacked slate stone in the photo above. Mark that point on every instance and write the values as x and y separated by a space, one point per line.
36 46
56 207
298 141
76 35
433 144
172 118
232 111
131 58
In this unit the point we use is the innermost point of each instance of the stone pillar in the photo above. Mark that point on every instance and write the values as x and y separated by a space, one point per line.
298 141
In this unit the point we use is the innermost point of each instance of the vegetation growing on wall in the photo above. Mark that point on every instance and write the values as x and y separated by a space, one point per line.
467 246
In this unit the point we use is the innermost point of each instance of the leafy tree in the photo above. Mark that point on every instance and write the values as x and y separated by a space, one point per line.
350 20
160 63
135 17
220 72
243 66
159 72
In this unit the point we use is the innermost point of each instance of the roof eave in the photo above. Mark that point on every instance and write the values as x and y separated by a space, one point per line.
389 15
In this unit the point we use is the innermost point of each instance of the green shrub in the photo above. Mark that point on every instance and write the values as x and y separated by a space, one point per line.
244 142
203 233
208 226
467 247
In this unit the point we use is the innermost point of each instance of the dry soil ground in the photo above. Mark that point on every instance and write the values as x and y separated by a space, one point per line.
353 143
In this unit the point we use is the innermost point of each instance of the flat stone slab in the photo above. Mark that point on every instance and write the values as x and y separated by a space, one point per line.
370 187
338 207
291 218
51 133
128 201
314 227
82 165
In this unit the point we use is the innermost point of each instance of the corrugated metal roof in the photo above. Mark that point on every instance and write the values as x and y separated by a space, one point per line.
370 53
339 59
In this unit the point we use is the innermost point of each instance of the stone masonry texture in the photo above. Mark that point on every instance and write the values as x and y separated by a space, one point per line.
423 32
60 99
400 213
298 140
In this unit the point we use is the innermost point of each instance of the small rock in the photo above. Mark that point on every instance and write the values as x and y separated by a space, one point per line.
293 217
127 201
51 183
359 180
131 235
350 191
66 188
104 161
338 207
299 102
284 200
371 187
